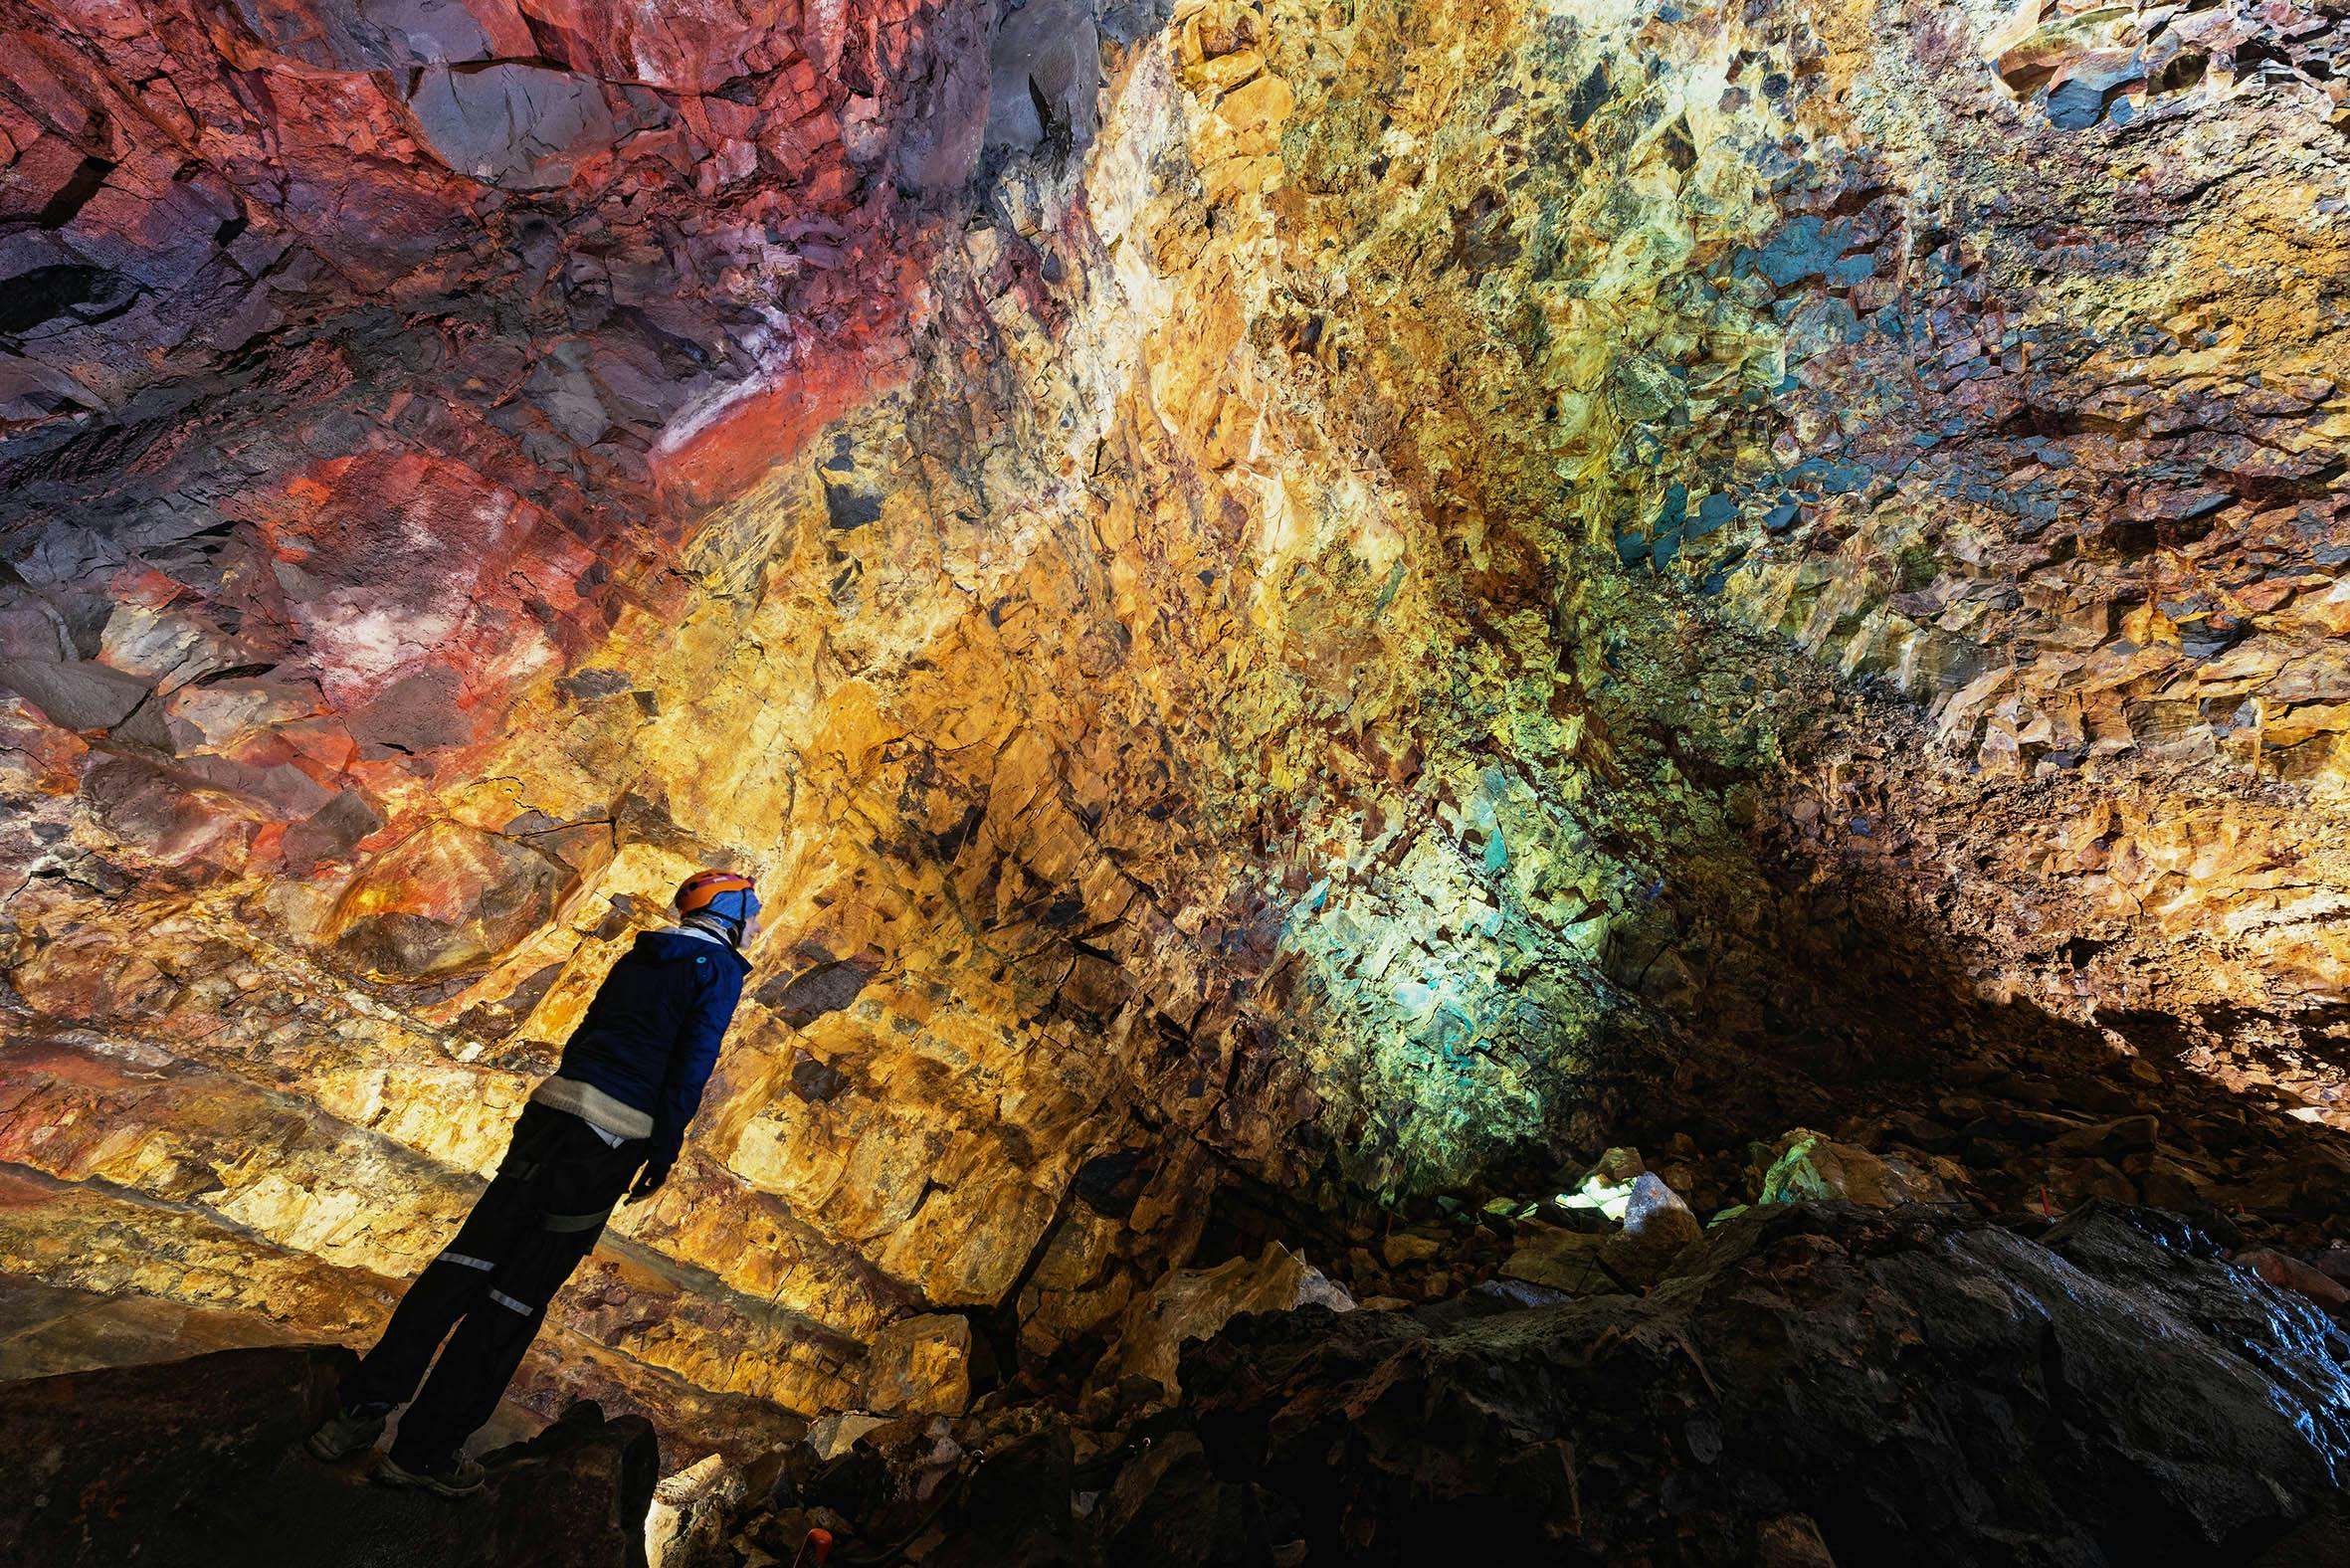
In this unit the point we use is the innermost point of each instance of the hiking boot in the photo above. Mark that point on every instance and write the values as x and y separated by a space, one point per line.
346 1432
459 1478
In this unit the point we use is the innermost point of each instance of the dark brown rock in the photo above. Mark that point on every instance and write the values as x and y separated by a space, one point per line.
2149 1404
169 1463
79 696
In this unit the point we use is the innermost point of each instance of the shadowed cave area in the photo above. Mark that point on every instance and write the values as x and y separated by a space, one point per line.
1563 779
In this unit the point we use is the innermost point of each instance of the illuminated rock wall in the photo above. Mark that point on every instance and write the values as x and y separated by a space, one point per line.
1360 596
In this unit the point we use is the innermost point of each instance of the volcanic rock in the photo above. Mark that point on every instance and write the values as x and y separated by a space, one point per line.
1657 1215
686 1524
1818 1363
1352 603
1192 1304
920 1365
83 694
166 1464
2291 1273
1804 1166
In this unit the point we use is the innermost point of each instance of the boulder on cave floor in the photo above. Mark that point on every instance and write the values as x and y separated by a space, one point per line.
1808 1166
199 1463
1655 1223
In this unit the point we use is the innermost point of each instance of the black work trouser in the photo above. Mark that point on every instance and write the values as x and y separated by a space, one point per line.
538 1218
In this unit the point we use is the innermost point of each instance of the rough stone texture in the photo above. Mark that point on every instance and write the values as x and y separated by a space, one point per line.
1916 1388
170 1464
1368 601
1807 1166
1811 1384
50 1328
1193 1303
920 1367
685 1525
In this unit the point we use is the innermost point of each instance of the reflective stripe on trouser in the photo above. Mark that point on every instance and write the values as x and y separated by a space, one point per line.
539 1216
491 1341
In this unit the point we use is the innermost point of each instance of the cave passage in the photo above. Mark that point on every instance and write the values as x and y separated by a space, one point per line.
1560 776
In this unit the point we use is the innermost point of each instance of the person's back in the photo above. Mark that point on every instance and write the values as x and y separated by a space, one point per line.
631 1078
644 1050
647 995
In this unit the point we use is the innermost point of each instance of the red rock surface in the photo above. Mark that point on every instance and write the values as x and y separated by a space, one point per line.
384 424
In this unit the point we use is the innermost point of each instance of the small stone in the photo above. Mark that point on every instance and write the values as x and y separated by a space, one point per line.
1409 1247
1656 1214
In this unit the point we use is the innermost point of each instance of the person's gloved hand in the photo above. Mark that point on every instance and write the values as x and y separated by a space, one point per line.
648 1181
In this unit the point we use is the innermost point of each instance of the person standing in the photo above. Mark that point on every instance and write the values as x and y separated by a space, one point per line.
631 1078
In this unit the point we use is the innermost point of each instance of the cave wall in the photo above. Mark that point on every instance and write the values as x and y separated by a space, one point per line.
1347 594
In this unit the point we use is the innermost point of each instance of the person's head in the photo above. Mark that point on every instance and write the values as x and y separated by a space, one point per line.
726 903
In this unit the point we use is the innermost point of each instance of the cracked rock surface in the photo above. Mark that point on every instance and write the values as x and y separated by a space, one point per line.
1306 613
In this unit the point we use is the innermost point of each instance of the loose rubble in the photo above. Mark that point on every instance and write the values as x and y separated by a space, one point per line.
1807 1384
177 1462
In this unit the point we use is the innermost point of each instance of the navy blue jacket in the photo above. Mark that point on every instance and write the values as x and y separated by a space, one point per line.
650 1035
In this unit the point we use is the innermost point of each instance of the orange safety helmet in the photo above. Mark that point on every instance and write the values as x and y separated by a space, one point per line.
728 895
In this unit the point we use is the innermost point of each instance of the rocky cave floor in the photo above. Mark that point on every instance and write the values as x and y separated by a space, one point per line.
2041 1301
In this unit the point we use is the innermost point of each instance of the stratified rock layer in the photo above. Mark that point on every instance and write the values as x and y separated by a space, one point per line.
1353 598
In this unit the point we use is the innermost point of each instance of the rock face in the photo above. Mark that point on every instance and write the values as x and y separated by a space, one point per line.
920 1365
170 1464
1360 601
1193 1303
